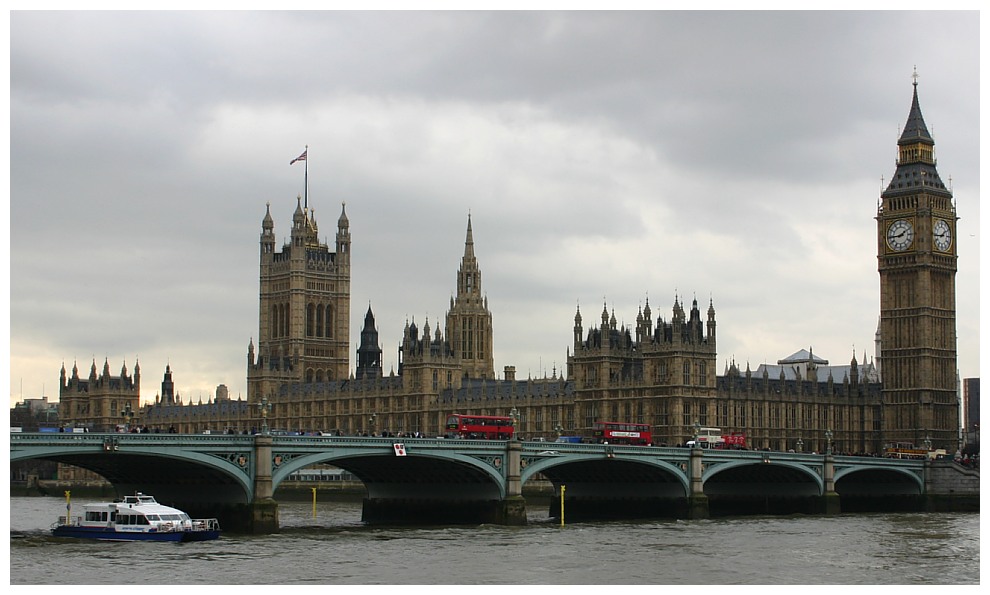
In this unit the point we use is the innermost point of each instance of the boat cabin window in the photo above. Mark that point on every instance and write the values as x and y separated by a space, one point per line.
153 517
132 519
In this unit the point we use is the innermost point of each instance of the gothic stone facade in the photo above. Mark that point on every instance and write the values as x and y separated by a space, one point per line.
101 402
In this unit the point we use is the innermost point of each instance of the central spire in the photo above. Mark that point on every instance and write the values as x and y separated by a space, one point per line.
469 322
469 241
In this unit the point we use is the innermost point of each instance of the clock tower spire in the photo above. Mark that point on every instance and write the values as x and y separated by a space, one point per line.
916 254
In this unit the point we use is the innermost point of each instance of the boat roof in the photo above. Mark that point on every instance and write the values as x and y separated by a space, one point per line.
139 502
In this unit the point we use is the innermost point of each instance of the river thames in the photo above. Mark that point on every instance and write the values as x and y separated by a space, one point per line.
335 548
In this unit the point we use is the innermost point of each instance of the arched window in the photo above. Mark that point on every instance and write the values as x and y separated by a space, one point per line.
310 312
273 322
319 321
329 323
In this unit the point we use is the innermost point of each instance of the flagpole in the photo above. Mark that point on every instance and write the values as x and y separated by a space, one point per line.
304 157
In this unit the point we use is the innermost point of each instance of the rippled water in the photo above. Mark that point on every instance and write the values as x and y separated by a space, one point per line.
335 548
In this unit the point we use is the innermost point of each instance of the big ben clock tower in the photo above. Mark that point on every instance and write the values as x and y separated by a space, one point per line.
916 253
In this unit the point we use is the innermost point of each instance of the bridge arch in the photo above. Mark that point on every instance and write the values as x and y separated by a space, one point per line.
761 477
867 480
570 469
167 474
388 476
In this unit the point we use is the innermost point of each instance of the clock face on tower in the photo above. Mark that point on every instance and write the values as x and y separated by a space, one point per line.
900 234
942 235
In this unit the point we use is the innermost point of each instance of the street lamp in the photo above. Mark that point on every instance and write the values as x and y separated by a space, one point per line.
828 442
559 429
697 432
265 408
928 442
127 413
800 445
371 422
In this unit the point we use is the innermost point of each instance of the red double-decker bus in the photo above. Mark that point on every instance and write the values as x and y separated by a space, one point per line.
616 432
487 427
716 438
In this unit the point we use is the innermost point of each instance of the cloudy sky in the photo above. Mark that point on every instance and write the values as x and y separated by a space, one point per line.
604 158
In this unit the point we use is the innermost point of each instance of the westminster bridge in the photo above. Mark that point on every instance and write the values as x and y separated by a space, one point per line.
424 480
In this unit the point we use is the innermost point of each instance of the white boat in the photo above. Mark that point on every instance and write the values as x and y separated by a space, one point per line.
135 518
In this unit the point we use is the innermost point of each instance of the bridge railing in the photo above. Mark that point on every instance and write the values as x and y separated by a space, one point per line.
383 441
46 438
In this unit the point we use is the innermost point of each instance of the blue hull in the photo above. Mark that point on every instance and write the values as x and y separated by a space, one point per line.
105 534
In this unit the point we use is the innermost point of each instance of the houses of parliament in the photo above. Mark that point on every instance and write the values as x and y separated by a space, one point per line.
661 371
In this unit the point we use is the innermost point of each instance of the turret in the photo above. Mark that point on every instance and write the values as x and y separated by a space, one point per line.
369 353
711 322
267 234
168 387
343 238
578 329
298 234
695 324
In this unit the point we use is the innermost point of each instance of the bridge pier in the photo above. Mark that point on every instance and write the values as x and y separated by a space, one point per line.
513 508
697 505
831 503
263 508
